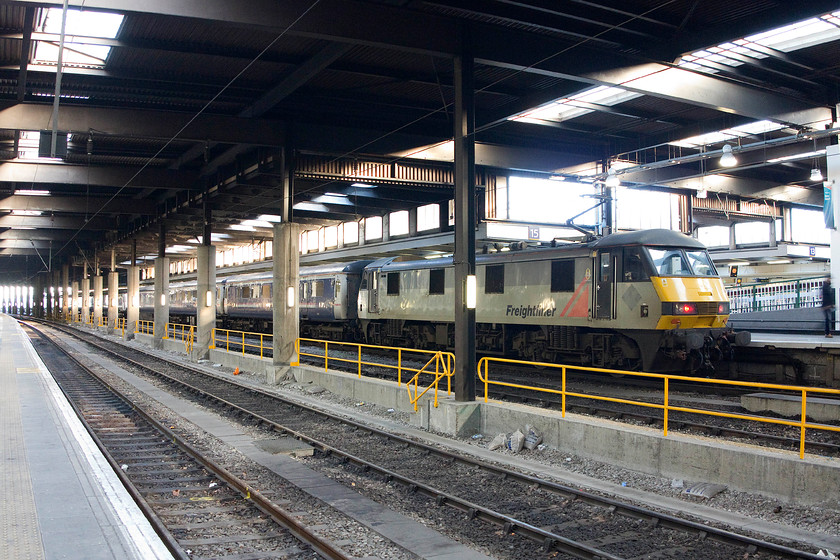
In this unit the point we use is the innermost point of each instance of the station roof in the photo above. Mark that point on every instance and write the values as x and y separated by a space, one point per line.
174 102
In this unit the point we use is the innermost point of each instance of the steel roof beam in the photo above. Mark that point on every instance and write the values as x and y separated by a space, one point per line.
56 222
39 173
140 123
78 204
435 35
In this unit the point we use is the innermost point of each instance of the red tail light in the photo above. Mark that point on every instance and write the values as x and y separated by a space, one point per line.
685 309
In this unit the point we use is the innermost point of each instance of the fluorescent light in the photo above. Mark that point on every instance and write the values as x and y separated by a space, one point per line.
208 298
780 261
816 174
472 291
273 218
290 296
26 212
257 223
32 192
163 299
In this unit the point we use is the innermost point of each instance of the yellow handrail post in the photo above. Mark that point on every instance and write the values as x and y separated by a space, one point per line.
399 367
563 396
326 354
802 429
665 410
360 362
243 343
438 358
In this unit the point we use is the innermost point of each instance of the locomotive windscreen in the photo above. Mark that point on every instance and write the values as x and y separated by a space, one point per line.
681 262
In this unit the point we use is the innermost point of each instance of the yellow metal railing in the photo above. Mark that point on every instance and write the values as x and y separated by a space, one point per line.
224 339
120 325
802 423
442 369
180 331
402 353
145 327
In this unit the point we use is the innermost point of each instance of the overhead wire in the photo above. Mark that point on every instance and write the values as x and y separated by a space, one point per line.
446 106
190 121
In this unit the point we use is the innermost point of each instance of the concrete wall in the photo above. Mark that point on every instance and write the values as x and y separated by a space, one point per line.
742 467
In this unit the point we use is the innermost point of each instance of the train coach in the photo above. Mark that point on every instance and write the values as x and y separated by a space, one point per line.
647 300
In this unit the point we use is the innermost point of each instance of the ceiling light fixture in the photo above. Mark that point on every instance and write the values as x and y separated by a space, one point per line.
612 179
816 174
728 159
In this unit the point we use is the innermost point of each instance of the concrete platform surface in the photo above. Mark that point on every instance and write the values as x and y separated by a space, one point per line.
59 497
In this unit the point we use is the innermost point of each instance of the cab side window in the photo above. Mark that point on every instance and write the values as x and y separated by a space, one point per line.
632 266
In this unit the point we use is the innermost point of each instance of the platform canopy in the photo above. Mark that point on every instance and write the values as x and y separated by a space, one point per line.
168 108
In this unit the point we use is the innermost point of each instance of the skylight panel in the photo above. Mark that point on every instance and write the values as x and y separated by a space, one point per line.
787 38
719 136
81 24
577 105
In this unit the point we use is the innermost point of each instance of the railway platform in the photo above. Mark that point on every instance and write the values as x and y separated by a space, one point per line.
794 341
60 497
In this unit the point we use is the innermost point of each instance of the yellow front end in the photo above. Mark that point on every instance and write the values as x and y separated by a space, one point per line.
704 293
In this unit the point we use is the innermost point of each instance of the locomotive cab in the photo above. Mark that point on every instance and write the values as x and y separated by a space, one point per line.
667 285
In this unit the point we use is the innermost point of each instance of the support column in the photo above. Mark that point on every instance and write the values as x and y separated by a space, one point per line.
205 299
56 304
386 227
412 222
65 292
132 309
161 299
285 300
37 297
443 215
97 299
113 294
832 184
464 257
76 303
84 294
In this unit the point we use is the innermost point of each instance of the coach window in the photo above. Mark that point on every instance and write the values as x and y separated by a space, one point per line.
246 292
393 283
563 276
494 279
633 268
318 288
437 278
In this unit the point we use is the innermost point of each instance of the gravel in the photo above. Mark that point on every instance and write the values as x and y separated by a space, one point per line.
823 519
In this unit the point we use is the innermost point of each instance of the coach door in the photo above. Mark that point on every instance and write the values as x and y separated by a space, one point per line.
605 285
373 291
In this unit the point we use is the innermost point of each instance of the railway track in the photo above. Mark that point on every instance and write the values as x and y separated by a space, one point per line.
552 517
199 509
782 437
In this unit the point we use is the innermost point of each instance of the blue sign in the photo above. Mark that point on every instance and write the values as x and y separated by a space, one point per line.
828 207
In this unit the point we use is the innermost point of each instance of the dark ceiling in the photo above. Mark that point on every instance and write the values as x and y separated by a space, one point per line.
203 101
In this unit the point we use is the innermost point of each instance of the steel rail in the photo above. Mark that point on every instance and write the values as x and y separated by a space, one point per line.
324 547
